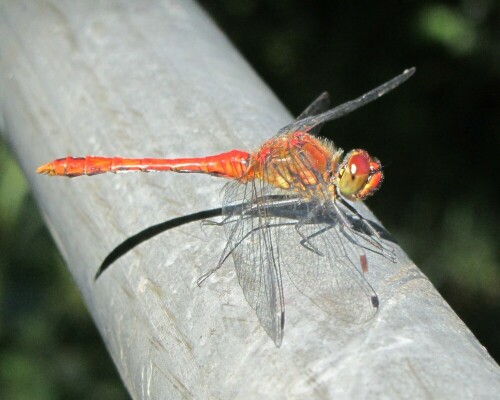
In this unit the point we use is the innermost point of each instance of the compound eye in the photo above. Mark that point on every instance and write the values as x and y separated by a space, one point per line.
359 176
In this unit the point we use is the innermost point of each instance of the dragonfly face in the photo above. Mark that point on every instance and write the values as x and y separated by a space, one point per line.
359 176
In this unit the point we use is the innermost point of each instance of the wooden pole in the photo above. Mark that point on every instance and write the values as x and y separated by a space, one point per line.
157 78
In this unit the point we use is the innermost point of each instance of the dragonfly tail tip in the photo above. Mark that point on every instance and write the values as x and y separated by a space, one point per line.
46 169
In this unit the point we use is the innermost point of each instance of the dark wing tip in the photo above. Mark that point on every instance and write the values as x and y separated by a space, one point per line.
277 336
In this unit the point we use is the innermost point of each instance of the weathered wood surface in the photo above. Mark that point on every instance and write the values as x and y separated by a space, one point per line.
157 78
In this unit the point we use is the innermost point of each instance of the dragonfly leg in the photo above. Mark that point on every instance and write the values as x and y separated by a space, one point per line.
225 254
211 222
347 226
352 235
305 241
384 250
369 226
230 247
206 275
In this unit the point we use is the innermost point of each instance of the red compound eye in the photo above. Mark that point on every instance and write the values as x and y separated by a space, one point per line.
360 175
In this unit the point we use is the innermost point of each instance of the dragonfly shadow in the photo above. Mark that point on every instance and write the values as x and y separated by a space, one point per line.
360 226
152 231
357 225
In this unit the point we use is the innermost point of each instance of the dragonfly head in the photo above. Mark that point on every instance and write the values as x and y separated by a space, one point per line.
359 175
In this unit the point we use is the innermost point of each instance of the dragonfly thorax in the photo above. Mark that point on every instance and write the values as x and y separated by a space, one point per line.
298 162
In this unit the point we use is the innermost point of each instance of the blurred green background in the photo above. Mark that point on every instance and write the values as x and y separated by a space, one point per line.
438 135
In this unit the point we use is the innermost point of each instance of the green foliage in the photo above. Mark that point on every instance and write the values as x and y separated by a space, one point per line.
443 25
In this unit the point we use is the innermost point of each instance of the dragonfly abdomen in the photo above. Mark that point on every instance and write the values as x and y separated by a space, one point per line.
232 164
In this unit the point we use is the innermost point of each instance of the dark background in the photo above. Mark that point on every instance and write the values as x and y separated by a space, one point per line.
438 134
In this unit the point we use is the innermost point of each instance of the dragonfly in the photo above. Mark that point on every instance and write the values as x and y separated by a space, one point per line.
297 188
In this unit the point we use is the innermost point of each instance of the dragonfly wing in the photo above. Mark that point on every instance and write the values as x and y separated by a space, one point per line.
308 123
320 105
253 247
327 273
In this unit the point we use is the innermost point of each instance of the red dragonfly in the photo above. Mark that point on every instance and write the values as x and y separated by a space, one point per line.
295 187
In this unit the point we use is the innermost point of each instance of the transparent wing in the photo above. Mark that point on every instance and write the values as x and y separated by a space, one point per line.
253 246
329 272
321 104
308 123
318 106
263 238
